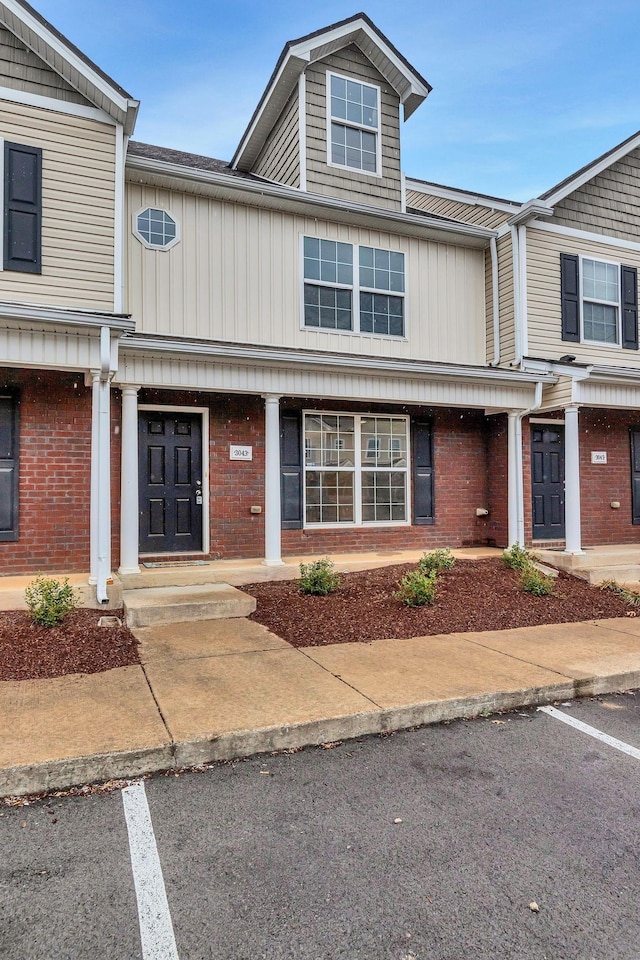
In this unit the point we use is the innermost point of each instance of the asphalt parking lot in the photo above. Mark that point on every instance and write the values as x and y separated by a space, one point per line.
430 843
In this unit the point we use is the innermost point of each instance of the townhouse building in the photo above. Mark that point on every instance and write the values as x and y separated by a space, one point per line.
301 350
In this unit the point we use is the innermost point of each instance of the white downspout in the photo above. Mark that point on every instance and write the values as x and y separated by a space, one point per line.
495 297
521 415
515 489
103 485
515 259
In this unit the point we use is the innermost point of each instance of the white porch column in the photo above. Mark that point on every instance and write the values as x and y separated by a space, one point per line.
572 481
513 486
93 510
129 520
272 538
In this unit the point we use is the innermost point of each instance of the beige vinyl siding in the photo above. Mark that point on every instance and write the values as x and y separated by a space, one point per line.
236 276
21 69
280 156
506 297
78 201
557 395
456 210
384 191
609 203
543 292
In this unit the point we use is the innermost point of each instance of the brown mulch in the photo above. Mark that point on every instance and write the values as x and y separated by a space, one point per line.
77 645
473 596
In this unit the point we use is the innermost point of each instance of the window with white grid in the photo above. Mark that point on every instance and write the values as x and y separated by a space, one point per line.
353 128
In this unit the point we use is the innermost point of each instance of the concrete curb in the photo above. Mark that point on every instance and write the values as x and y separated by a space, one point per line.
69 772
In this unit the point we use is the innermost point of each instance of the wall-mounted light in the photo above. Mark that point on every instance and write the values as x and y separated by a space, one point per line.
567 358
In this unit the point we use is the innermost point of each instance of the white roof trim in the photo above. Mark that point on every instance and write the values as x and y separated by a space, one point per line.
593 170
125 107
462 196
296 59
61 315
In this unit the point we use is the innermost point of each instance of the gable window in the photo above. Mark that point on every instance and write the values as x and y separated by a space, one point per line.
353 288
356 469
599 301
22 234
155 228
353 124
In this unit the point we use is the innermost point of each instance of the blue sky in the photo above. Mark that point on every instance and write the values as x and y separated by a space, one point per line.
524 92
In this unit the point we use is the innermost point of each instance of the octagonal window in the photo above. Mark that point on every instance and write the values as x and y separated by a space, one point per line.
156 228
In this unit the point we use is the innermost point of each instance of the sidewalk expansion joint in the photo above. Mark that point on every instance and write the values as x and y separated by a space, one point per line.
529 663
341 679
172 743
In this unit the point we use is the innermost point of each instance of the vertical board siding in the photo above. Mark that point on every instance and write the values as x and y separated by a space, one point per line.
280 156
78 206
609 203
21 69
384 191
456 210
543 290
236 276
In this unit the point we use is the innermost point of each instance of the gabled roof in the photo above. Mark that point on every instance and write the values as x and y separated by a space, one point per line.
69 62
410 86
461 196
591 170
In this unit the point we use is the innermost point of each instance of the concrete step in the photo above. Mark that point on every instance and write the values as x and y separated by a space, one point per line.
621 573
211 601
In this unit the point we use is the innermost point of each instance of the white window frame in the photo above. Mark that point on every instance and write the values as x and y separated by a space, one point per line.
377 132
143 240
607 303
357 470
356 289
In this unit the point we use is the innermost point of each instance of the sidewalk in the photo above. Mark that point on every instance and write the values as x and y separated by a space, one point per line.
215 690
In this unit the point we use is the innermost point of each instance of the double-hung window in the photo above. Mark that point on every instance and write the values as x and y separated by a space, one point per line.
351 287
353 124
600 301
356 469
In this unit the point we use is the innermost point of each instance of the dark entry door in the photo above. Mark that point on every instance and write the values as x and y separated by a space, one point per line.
547 481
635 474
170 471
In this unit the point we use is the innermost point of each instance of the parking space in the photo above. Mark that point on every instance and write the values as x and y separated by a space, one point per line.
431 843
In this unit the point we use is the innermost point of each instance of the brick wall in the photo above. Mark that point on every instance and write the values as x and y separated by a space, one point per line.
603 483
55 463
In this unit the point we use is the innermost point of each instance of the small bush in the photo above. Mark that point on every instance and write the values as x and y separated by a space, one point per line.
632 597
318 578
535 582
516 557
50 600
417 588
436 560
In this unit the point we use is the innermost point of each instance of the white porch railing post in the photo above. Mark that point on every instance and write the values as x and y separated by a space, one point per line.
513 486
573 534
93 505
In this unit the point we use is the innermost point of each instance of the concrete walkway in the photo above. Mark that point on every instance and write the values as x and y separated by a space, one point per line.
228 688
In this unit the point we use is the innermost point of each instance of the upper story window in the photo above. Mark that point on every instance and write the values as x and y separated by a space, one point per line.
351 287
353 117
155 228
599 301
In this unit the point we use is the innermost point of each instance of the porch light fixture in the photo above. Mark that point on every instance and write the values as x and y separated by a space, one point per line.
567 358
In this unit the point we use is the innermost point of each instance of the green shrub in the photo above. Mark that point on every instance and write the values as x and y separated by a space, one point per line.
49 600
318 578
535 582
417 588
436 560
632 597
516 557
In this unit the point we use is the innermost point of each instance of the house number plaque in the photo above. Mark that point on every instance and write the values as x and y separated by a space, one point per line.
237 452
598 456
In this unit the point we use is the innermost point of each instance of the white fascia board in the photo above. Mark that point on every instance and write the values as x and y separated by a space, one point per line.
614 374
68 317
592 171
55 44
542 367
461 196
481 235
574 233
238 352
530 210
60 106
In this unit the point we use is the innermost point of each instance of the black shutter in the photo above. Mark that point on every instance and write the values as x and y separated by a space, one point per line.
422 443
291 470
8 467
570 296
22 208
629 285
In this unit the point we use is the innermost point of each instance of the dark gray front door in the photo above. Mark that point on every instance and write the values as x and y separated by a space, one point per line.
170 473
547 481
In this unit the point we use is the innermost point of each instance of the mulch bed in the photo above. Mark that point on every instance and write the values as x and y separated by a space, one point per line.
77 645
474 595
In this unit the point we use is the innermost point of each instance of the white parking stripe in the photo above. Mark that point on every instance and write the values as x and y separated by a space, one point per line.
593 732
156 929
